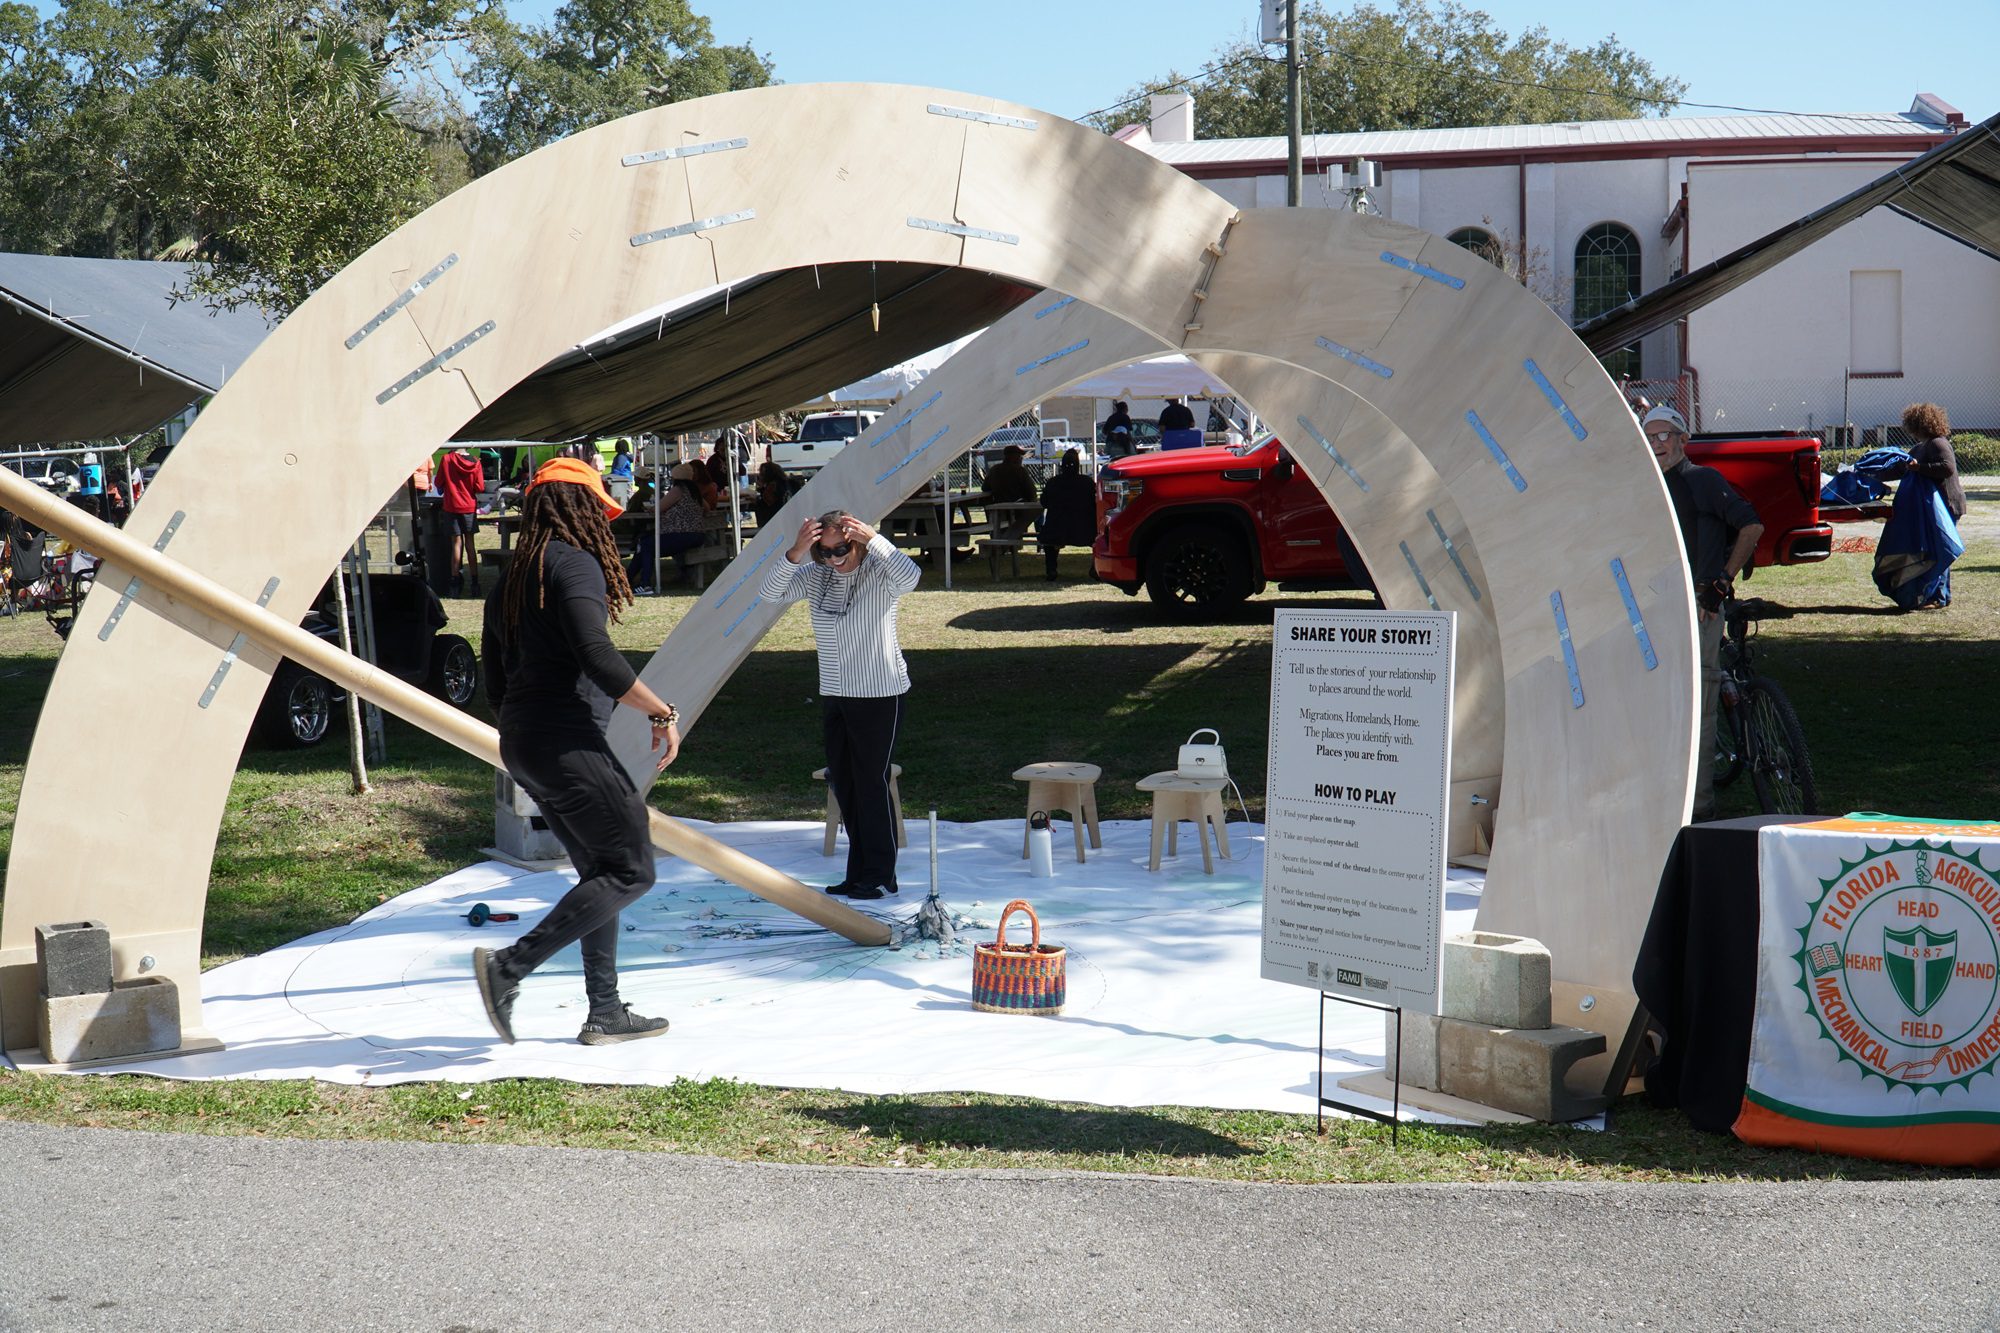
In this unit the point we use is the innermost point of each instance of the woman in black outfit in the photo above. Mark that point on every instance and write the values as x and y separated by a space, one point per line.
553 678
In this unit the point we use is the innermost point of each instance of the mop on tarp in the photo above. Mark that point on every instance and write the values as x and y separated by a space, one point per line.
933 922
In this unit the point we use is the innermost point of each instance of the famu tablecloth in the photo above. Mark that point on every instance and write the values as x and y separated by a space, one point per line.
1877 1029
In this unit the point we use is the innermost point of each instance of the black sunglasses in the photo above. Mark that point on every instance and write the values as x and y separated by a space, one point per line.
826 553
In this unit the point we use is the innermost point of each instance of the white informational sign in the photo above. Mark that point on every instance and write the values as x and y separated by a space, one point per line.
1355 804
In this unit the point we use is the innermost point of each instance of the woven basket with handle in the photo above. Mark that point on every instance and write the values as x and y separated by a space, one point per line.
1019 978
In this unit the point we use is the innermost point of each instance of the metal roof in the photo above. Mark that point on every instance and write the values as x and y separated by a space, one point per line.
91 348
1782 130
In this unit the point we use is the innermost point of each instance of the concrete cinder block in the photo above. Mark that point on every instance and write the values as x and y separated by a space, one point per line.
1522 1071
518 827
1420 1049
137 1017
1498 980
73 958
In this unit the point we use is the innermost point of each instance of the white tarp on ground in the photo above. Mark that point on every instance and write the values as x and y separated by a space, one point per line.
1165 1003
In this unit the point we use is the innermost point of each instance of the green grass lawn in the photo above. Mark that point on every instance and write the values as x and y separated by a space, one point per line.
1894 707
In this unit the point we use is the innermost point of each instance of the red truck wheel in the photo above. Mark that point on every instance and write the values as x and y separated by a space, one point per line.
1198 570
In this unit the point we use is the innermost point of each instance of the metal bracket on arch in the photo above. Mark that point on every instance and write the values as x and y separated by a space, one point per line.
1568 649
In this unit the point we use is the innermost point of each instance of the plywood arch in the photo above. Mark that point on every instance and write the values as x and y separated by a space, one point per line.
984 385
408 342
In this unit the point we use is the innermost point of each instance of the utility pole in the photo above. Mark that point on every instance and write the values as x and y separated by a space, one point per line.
1294 174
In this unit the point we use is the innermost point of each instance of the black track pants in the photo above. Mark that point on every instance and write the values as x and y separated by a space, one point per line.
599 817
860 743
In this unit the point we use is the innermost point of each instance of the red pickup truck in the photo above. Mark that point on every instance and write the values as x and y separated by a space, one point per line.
1202 529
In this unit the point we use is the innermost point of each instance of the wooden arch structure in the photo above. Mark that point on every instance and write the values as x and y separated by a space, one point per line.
1458 419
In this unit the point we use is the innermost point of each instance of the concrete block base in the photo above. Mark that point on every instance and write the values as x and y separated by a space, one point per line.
30 1060
1523 1071
73 958
1499 980
138 1017
519 831
1520 1070
1420 1049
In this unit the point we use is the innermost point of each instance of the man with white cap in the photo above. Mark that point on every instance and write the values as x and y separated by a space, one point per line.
1719 530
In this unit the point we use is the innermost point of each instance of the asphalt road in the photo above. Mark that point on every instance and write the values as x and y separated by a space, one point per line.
105 1229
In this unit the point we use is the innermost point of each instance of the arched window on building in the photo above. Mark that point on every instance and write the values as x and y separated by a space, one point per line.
1482 243
1607 276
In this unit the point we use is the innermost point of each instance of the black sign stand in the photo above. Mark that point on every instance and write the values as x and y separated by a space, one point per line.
1395 1117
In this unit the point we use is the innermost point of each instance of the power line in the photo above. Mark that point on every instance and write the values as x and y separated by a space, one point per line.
1629 98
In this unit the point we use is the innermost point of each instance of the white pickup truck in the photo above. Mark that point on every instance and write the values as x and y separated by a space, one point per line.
822 435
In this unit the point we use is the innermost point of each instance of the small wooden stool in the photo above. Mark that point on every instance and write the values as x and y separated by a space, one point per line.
1063 786
1197 800
833 820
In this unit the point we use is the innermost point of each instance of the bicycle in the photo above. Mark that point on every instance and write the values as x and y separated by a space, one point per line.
1756 727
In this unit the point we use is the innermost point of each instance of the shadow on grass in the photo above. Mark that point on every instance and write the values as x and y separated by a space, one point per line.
1029 1129
974 716
1139 614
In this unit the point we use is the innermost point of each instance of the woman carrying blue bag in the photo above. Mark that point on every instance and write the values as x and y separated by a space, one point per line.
1914 555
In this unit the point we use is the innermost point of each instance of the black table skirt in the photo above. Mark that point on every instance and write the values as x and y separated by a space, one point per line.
1697 968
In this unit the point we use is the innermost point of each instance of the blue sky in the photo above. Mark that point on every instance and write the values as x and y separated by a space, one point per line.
1075 56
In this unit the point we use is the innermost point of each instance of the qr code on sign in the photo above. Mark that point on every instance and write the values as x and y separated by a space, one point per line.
1312 969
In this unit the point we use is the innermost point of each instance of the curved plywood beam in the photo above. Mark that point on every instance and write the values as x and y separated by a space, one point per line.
386 361
391 356
1586 574
1007 369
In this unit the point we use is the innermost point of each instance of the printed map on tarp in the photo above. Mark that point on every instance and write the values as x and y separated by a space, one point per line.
1878 991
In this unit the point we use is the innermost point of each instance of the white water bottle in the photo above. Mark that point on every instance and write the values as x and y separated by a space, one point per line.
1041 848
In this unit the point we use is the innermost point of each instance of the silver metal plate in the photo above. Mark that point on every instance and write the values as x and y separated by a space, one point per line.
410 293
235 646
691 150
690 228
983 117
132 586
960 229
436 361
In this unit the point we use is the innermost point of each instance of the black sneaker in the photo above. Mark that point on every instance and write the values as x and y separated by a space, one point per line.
840 890
624 1026
496 992
870 892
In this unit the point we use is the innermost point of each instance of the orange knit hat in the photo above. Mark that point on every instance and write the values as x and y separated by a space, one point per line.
578 473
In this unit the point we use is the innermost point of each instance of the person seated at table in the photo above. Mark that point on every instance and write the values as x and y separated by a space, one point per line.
683 525
773 489
1118 432
1069 511
1008 482
1177 429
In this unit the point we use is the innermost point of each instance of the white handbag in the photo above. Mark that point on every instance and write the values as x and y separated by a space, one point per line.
1203 760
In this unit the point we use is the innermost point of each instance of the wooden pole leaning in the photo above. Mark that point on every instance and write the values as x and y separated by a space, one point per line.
126 558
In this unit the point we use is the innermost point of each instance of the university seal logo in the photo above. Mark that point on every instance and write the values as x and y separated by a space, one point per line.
1900 965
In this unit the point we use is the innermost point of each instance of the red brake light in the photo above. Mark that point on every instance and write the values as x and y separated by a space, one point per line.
1805 467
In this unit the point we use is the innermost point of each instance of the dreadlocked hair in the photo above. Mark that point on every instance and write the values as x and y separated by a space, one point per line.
562 511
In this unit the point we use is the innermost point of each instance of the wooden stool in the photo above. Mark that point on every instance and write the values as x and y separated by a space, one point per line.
1063 786
833 809
1197 800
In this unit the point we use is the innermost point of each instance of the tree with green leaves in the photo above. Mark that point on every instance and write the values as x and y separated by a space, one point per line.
598 60
271 141
283 145
1422 65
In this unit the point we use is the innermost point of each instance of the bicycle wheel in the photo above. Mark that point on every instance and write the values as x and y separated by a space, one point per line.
1780 767
1728 760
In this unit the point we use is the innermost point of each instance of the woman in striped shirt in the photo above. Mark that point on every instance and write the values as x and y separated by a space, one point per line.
851 577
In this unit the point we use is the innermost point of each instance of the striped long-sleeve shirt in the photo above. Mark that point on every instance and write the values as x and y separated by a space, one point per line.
853 618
